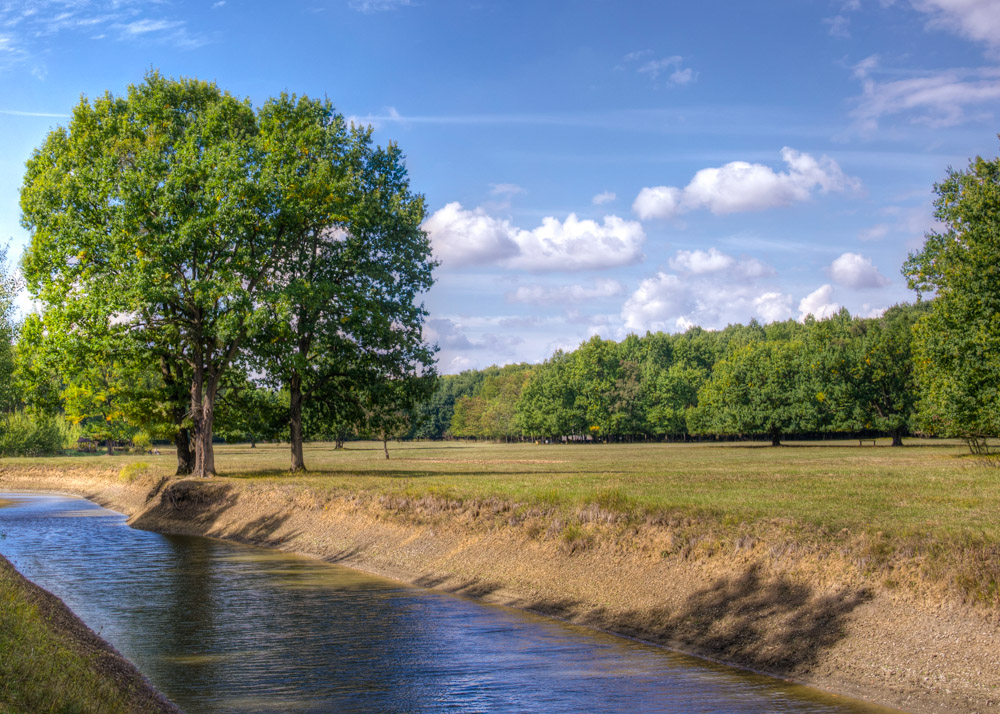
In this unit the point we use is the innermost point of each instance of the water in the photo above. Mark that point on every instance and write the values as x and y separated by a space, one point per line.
222 628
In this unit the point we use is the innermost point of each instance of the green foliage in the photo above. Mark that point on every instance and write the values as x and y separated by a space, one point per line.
957 344
179 235
8 335
756 389
434 415
23 434
489 412
141 442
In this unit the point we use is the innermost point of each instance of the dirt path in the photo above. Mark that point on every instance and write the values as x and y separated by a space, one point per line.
798 614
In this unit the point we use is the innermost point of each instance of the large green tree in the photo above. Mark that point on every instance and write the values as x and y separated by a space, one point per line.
176 220
146 211
344 292
957 345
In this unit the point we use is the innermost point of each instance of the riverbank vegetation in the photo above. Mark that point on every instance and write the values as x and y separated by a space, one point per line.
50 663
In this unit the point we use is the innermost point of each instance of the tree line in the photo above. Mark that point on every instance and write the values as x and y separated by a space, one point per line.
839 375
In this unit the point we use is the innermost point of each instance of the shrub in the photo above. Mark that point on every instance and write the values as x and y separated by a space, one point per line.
141 442
23 434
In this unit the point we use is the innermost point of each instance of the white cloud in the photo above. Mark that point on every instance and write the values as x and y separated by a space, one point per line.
853 270
773 307
456 346
976 19
818 304
565 294
876 232
741 186
29 25
460 237
670 67
576 244
709 288
700 261
602 198
144 27
838 26
682 76
466 237
937 99
505 189
371 6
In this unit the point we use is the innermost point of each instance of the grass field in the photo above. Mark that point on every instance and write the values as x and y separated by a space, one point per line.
929 501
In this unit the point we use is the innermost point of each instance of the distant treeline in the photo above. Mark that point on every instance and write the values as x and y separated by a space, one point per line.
843 375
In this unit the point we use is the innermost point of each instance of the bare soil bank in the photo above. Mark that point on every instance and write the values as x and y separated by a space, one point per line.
109 665
796 611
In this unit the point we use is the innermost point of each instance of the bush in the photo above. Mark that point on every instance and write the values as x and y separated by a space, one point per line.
22 434
141 442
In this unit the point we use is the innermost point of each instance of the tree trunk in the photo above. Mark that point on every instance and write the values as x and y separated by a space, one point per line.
183 443
203 416
295 422
775 438
385 448
897 438
111 447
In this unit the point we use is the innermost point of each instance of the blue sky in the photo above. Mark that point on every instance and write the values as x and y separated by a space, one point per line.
590 167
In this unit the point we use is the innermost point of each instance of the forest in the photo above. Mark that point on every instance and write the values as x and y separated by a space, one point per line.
842 375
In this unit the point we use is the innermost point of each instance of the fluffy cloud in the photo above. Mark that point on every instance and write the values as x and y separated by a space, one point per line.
700 262
565 294
773 307
460 237
937 99
465 237
602 198
741 186
853 270
709 288
818 303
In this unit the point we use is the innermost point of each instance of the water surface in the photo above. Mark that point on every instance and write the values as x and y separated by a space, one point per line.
220 627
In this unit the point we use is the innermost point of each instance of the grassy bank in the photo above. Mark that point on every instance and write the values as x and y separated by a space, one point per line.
920 515
50 661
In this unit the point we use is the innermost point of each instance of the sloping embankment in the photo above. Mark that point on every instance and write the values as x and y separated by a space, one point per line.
797 612
88 674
